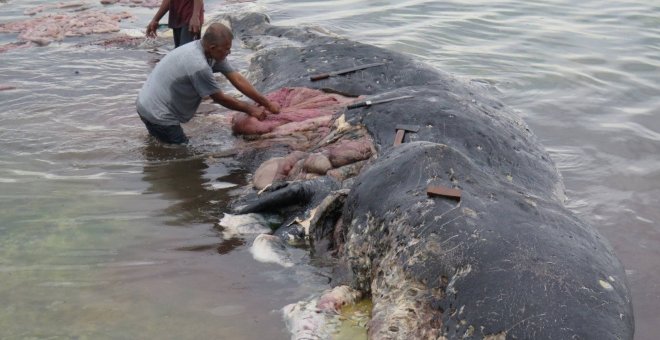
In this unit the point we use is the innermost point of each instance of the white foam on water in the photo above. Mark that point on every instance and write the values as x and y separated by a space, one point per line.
305 321
220 185
132 32
318 318
271 249
249 224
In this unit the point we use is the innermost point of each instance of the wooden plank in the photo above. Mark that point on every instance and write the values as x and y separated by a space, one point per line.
438 190
398 139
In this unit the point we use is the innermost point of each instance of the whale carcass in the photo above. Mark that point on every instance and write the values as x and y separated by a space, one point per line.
505 261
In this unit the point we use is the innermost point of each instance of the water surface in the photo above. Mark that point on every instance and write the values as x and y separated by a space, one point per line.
105 234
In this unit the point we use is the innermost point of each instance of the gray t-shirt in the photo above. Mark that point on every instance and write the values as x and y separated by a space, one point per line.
176 86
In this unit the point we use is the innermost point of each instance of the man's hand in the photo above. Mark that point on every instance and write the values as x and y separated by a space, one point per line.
194 26
257 112
273 107
151 29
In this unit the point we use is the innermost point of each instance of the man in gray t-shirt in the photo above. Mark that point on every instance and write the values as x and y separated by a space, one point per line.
176 86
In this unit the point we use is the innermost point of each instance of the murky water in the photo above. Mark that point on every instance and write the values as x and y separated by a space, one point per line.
105 235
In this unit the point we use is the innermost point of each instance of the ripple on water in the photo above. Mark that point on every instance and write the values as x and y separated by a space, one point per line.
637 65
77 267
51 176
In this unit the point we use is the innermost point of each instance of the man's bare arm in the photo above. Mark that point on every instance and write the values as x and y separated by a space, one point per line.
235 104
195 25
153 25
243 85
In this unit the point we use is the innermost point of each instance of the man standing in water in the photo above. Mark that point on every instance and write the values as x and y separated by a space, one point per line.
176 86
185 20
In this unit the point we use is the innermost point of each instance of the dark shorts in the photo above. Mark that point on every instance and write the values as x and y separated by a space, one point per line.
183 36
172 134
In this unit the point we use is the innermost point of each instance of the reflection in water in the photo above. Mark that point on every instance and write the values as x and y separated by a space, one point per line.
228 245
223 248
176 174
188 179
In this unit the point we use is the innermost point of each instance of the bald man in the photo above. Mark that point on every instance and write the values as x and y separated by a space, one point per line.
176 86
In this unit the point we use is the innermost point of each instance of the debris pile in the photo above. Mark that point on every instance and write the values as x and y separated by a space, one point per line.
54 27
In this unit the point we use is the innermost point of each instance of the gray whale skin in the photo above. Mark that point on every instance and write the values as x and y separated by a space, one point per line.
507 261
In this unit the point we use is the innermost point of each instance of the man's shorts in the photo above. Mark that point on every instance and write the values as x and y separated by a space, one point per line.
172 134
183 36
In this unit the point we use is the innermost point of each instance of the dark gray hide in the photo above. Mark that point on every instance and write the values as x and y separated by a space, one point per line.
306 193
508 261
502 261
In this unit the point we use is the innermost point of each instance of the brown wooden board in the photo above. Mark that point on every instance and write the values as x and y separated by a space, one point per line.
438 190
398 139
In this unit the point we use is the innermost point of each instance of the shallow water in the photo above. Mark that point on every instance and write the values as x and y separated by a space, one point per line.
105 235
